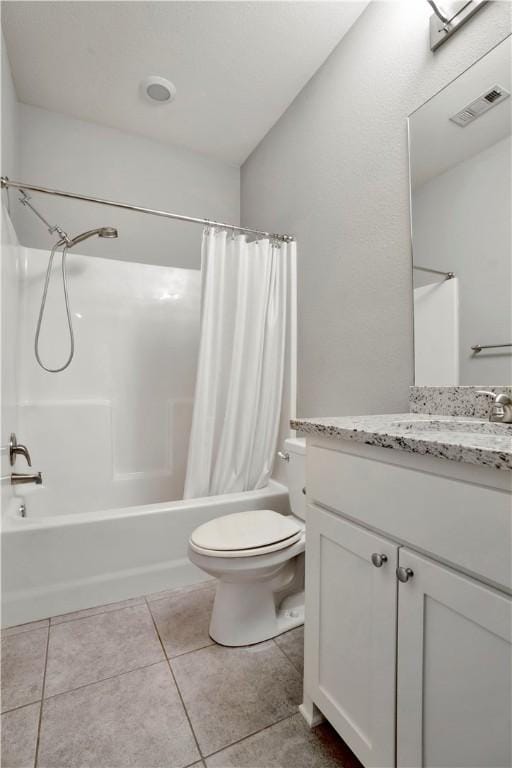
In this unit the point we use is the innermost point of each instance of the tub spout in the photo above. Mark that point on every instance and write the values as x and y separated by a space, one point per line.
19 479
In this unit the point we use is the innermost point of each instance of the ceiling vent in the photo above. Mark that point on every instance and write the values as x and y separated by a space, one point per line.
485 102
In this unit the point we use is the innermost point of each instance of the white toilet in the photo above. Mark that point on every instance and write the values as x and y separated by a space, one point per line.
258 559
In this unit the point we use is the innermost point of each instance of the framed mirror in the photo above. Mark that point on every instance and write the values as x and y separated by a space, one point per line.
461 207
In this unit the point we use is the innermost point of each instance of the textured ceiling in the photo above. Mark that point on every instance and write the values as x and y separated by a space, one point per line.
236 65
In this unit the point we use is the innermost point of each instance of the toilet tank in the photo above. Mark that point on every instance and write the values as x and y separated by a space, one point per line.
295 447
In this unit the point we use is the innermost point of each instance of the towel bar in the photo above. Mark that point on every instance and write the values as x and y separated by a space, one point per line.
478 347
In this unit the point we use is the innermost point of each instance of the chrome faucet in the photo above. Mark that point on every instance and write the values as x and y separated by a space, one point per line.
15 449
18 479
501 409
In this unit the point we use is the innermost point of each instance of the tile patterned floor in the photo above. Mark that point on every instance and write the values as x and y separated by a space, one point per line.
140 684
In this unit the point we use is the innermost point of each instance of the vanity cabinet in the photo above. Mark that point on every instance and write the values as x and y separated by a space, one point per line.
415 672
454 671
350 633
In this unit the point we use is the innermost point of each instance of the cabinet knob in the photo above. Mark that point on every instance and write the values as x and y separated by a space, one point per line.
404 574
379 560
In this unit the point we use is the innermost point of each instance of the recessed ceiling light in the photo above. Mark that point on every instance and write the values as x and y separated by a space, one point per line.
158 90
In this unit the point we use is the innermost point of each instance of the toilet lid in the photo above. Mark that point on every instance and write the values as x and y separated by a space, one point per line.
254 529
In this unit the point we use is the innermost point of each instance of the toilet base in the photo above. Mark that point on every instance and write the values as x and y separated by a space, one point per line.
290 613
245 614
257 597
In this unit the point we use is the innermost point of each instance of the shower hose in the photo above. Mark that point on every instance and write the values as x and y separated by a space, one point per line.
68 311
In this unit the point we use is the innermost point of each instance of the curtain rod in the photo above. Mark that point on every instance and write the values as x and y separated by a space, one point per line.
6 182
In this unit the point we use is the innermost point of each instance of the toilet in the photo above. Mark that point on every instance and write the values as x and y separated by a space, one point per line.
257 557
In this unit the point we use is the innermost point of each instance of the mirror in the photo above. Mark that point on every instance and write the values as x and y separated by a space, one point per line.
460 175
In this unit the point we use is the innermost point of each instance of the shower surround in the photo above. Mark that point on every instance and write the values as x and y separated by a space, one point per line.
112 430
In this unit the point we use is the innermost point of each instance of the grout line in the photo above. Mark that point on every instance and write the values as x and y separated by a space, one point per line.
177 687
186 653
185 710
183 653
6 633
254 733
39 724
173 597
20 706
98 613
180 591
104 679
288 657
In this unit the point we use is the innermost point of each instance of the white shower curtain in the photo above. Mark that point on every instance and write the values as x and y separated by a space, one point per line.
241 363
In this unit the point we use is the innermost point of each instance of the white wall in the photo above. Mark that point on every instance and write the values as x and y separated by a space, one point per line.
111 430
78 156
334 171
9 275
10 120
461 223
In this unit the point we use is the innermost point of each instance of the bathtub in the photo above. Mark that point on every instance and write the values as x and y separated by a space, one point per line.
60 563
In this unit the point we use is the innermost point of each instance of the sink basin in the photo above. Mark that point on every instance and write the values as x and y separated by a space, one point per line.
468 426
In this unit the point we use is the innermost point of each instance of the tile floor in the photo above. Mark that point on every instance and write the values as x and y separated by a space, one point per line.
140 684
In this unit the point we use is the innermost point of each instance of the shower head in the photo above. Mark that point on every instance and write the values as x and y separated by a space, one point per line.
109 232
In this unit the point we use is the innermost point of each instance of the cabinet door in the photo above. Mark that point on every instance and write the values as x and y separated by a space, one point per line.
454 670
350 634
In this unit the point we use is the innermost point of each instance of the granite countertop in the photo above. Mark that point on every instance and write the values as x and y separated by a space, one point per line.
457 438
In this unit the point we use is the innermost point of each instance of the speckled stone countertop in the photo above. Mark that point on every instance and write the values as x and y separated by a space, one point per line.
464 439
454 401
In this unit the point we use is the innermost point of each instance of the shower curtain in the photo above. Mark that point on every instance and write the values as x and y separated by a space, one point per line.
241 364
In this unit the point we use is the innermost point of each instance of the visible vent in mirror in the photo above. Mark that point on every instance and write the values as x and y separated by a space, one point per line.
485 102
493 95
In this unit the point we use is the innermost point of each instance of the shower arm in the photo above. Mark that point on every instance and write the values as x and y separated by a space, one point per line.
25 200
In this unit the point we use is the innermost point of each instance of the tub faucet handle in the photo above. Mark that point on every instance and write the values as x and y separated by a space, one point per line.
16 449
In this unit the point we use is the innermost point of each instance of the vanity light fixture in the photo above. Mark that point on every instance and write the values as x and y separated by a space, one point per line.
450 17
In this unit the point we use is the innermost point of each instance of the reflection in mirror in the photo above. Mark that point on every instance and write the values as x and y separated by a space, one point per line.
460 160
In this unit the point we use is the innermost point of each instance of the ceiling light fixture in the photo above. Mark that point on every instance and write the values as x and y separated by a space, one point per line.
158 90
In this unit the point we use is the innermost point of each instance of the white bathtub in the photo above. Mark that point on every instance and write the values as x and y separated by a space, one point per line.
55 564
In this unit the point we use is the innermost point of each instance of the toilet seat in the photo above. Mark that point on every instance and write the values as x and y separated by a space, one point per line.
246 534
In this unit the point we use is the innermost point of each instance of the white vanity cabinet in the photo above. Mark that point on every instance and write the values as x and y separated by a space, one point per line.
416 672
454 672
350 643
